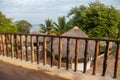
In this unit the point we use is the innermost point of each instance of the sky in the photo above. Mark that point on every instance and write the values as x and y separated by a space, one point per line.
37 11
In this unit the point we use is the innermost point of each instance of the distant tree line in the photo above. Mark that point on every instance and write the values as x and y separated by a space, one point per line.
96 20
6 24
21 26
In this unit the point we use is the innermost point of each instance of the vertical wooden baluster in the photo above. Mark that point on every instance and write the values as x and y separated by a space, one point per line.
105 58
85 56
0 44
60 53
32 49
26 45
7 37
3 43
12 46
6 41
1 52
3 40
44 50
6 45
9 45
95 57
68 54
76 54
117 60
21 47
52 52
16 46
38 57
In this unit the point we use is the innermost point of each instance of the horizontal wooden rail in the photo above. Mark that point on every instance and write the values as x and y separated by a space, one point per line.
110 40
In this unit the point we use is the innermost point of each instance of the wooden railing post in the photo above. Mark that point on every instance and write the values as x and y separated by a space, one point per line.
38 57
52 53
12 46
105 58
68 54
95 57
32 49
21 47
10 43
26 46
16 46
76 54
6 43
60 53
0 44
3 44
44 50
85 56
117 60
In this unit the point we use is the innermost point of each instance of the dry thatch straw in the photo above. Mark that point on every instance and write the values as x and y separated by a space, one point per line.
40 38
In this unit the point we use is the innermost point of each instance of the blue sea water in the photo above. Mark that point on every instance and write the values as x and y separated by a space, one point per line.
35 27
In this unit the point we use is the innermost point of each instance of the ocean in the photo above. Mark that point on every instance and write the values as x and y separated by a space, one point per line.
35 27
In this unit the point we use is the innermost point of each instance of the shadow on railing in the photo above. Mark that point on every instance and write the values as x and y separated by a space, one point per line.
62 51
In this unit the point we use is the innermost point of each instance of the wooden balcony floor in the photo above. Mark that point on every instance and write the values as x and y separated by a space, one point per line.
11 72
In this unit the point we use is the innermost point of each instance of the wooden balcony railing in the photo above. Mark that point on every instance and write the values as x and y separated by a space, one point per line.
21 46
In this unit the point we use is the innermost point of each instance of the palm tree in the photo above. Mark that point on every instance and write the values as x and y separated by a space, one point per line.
47 28
62 25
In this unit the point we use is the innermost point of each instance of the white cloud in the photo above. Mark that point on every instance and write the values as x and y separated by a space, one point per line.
36 11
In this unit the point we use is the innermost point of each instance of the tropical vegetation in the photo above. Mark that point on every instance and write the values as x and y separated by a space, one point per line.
46 28
61 26
6 24
96 20
23 26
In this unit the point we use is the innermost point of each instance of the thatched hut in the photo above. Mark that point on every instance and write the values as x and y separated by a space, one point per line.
75 32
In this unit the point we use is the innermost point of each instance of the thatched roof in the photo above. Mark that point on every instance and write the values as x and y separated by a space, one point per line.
40 38
35 32
75 32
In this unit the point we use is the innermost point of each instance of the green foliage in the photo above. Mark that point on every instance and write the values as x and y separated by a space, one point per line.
62 26
51 27
47 28
6 24
23 26
97 20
